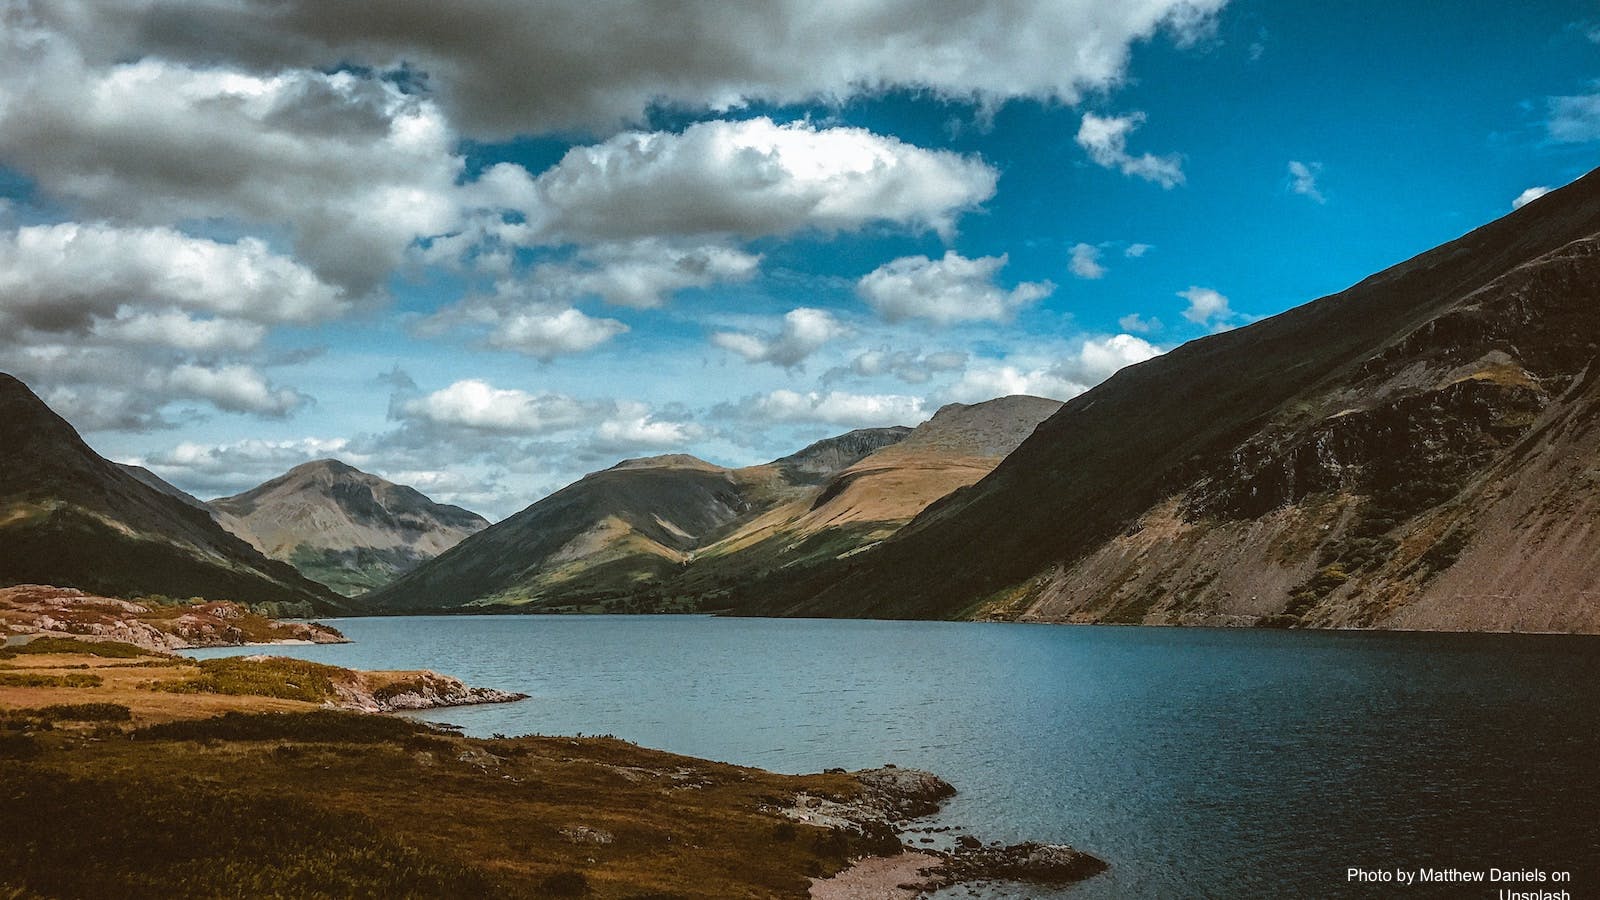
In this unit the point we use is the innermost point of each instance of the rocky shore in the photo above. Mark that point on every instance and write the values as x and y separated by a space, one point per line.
31 610
891 797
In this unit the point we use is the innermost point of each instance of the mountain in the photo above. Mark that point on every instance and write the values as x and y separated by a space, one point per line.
676 532
866 501
1417 451
341 526
151 479
73 519
615 534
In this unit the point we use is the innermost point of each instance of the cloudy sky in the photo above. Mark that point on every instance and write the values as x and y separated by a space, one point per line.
484 247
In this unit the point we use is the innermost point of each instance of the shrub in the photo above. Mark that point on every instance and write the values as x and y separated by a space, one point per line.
31 679
104 649
287 679
84 712
17 746
323 725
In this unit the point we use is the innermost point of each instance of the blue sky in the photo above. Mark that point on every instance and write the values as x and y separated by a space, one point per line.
488 253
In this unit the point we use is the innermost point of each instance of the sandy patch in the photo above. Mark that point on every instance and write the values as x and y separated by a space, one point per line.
878 878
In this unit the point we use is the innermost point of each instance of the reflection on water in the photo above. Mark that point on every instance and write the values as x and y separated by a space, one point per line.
1198 762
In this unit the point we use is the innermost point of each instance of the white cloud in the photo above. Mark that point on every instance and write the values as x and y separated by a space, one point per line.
908 367
747 178
479 406
66 277
231 467
805 331
1303 180
643 273
1528 196
1135 251
1086 261
833 408
1105 138
634 427
352 166
505 67
545 335
1094 360
1138 324
1206 306
232 389
1574 120
948 290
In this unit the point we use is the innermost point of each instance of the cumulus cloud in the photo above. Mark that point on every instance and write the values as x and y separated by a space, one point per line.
634 427
1303 180
354 167
545 335
1138 324
1085 262
504 67
479 406
1574 120
1206 306
1105 138
642 274
805 331
909 367
210 470
1528 196
232 389
1093 361
66 277
831 408
945 291
747 178
1136 251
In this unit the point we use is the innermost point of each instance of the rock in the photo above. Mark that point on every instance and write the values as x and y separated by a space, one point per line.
583 834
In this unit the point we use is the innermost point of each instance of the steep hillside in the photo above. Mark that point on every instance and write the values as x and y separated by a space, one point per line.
866 501
348 529
676 532
1415 451
72 519
614 534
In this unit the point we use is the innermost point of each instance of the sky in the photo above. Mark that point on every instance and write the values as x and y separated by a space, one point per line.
486 247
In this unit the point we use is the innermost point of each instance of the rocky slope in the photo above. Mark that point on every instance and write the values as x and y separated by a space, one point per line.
1416 451
348 529
614 535
71 518
32 611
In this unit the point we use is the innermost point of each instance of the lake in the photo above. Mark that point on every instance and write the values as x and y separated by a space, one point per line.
1198 762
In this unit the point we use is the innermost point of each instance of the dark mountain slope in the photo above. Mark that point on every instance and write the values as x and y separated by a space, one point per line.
1218 437
73 519
346 528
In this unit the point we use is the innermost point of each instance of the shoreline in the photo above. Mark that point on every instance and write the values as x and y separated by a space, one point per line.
621 819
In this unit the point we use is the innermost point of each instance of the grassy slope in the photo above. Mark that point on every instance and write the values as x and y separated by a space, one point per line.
279 798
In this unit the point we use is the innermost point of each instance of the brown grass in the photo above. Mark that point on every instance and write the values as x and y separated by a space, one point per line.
494 810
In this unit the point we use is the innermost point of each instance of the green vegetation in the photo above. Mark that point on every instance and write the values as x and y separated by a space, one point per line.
288 679
104 649
81 712
323 725
33 679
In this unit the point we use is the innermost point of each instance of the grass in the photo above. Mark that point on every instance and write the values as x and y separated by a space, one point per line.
287 679
277 798
36 679
103 649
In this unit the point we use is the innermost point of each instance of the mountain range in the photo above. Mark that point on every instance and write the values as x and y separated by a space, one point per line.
70 518
1417 451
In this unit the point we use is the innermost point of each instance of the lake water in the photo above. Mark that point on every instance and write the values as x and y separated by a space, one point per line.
1198 762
